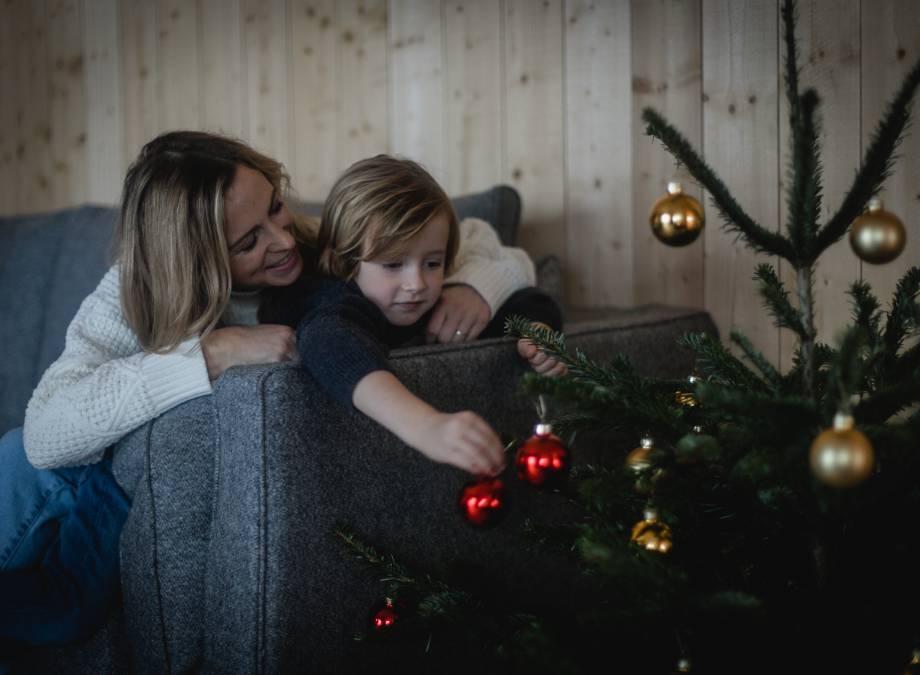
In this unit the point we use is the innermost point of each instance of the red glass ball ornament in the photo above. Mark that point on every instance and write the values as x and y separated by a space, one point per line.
483 502
386 616
543 460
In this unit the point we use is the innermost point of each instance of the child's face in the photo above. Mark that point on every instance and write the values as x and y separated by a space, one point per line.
406 284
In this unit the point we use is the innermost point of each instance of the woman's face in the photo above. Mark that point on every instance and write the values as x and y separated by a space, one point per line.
258 226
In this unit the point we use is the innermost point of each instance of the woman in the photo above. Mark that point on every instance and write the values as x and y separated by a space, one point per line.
204 239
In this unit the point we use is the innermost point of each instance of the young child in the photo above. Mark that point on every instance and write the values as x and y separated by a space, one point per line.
388 235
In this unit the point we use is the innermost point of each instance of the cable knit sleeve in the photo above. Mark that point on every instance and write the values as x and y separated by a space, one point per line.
495 271
104 385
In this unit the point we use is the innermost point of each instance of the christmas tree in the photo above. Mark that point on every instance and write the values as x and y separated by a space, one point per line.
766 519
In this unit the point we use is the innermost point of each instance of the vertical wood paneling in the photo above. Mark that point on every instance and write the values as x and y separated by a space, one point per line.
220 49
31 103
68 117
140 75
667 76
9 159
891 45
829 57
740 143
473 82
104 168
545 95
416 83
362 57
315 125
266 91
179 89
598 113
533 123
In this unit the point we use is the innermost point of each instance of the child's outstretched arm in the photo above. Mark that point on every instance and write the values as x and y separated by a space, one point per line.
462 439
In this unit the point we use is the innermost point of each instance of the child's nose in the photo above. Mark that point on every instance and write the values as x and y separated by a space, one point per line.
414 280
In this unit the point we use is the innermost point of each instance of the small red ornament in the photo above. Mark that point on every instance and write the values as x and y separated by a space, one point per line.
543 460
386 616
482 502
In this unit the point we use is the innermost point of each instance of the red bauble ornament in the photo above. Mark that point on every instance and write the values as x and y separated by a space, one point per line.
543 460
386 616
483 502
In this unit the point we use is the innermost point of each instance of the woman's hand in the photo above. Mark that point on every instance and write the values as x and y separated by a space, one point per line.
460 315
540 362
247 345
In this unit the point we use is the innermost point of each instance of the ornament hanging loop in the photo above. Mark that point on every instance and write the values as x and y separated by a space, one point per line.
540 405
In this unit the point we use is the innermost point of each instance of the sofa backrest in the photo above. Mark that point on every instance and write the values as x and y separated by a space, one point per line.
50 262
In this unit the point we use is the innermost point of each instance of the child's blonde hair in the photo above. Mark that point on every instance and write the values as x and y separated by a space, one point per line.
172 249
376 206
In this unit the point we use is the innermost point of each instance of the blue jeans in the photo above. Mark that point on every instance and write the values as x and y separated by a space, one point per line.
59 534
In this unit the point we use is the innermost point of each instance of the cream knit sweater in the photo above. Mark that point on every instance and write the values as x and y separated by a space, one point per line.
104 386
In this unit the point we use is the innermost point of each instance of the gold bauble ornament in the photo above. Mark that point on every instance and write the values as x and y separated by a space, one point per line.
640 459
877 236
677 218
841 457
652 534
687 398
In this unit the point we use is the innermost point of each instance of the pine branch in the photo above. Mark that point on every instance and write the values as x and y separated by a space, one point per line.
754 355
785 415
719 364
810 174
804 179
866 308
793 380
847 370
394 574
617 384
776 300
903 317
877 163
890 401
735 219
791 61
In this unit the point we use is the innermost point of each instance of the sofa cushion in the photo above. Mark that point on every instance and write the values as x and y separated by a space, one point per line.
49 263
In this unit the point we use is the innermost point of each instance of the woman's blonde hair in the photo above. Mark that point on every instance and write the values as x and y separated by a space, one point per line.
175 266
376 206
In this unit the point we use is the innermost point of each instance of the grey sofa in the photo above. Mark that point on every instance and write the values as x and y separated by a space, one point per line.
229 562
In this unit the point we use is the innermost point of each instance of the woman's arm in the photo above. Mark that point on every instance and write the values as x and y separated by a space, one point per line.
104 386
493 270
485 275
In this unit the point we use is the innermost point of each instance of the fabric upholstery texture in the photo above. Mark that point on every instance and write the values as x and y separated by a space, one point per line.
229 558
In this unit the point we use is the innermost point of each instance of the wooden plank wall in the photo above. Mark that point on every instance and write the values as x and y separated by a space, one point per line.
545 95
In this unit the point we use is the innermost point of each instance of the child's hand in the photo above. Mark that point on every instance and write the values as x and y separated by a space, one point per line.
540 362
463 440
